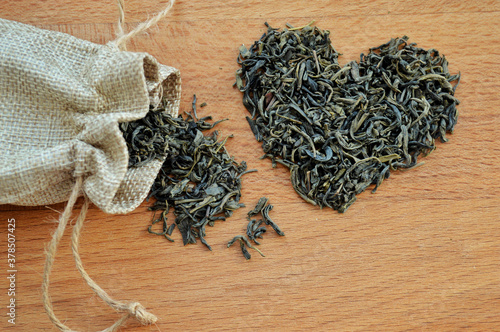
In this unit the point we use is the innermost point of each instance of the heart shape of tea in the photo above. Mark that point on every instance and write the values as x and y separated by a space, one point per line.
340 129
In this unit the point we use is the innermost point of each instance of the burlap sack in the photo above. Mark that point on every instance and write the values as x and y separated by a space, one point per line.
61 99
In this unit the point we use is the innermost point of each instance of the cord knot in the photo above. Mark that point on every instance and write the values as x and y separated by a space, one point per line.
138 311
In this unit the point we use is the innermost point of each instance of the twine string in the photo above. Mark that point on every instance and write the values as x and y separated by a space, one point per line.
51 255
122 38
133 309
121 20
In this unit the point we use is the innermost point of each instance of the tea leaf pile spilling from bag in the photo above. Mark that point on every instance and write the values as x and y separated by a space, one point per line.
199 179
341 129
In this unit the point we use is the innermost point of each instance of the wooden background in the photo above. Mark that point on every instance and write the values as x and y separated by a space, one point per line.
421 254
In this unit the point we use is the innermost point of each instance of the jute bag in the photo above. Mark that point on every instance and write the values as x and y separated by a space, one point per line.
61 100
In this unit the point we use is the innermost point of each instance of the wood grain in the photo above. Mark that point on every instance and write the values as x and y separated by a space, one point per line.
422 254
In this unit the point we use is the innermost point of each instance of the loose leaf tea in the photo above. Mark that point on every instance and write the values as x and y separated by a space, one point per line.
198 179
341 129
244 241
255 228
260 205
